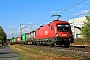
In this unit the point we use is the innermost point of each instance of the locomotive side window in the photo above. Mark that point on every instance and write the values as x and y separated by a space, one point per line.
62 27
52 28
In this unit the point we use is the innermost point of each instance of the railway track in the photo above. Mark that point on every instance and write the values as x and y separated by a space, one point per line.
79 51
76 48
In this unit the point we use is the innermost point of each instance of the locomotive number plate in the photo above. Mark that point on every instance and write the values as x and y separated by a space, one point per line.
64 34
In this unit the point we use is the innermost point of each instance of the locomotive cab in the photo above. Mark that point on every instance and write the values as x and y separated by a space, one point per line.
63 30
63 33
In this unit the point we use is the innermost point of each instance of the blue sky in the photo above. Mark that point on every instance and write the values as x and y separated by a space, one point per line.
37 12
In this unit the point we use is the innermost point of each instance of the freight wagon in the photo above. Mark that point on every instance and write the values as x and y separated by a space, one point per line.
31 37
28 38
24 38
14 40
18 40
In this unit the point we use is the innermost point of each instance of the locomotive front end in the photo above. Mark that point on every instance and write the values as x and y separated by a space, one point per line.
64 35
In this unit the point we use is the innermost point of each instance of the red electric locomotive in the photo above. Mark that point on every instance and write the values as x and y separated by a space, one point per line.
54 34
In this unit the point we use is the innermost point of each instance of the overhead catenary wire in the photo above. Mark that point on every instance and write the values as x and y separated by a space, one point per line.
49 8
47 11
73 6
81 13
64 9
78 15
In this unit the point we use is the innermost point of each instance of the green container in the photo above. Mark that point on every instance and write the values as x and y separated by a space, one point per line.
14 40
23 37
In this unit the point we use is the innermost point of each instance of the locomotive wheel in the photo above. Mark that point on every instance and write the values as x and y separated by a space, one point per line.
67 45
54 44
37 43
40 43
50 44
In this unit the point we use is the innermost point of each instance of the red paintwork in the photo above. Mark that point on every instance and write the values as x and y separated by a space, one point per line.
64 34
46 32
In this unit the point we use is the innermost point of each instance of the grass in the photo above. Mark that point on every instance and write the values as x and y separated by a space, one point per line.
0 43
81 42
34 53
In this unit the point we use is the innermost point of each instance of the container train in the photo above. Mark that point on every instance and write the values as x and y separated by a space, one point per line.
55 33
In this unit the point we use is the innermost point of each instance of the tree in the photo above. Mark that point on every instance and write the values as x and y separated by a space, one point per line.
2 35
86 28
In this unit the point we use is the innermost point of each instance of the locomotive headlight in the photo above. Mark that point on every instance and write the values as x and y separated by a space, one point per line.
56 34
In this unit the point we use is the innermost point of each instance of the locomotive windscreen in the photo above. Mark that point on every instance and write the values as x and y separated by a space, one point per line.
62 27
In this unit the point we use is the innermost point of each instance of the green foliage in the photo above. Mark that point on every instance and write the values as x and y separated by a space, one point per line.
1 28
86 28
2 35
